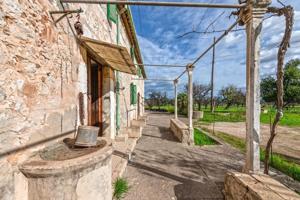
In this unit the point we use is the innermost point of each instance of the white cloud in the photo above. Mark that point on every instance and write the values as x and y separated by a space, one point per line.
160 45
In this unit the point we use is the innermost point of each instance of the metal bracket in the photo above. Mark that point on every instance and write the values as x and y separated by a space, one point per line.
64 12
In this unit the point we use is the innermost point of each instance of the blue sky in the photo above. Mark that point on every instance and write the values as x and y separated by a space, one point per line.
158 29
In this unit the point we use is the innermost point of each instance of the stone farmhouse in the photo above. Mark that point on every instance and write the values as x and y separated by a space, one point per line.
63 65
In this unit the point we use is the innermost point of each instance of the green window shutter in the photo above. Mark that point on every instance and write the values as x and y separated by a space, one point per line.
139 72
112 13
132 52
133 94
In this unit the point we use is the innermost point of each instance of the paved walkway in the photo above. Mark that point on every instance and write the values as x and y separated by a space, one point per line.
162 168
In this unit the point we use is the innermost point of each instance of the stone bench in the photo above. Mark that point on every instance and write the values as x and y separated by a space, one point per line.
180 130
240 186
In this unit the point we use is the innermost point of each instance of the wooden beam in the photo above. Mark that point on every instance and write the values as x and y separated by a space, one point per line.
159 3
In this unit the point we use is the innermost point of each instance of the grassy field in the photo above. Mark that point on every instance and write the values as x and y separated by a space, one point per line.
165 108
202 139
291 116
276 161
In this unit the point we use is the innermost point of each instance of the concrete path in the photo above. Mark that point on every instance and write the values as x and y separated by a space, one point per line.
162 168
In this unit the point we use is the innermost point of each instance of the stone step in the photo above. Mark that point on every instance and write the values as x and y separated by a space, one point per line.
144 118
139 122
121 137
134 131
121 155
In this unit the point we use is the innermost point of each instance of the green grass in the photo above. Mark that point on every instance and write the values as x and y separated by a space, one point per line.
276 161
291 116
165 108
120 188
219 116
201 138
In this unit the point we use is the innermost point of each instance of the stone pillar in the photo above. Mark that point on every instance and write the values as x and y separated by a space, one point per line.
175 99
256 10
190 103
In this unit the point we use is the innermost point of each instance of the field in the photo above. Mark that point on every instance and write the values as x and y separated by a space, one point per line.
291 116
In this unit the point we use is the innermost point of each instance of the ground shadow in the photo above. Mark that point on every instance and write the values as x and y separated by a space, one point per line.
188 189
192 190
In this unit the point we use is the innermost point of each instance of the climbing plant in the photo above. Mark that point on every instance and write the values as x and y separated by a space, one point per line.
288 13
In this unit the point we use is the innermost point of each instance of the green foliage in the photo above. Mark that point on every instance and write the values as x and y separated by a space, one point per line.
182 100
231 95
201 138
120 188
268 89
291 84
166 108
157 99
276 161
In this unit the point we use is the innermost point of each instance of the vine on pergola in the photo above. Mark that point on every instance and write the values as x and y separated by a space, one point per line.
288 13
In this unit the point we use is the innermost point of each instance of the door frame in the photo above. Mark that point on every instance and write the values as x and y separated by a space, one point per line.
100 92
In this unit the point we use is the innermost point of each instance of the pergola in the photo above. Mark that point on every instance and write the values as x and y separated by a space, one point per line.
250 14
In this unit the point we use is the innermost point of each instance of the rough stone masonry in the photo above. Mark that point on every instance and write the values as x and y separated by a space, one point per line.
41 75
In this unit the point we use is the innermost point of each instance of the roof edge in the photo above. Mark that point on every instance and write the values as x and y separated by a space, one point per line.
130 29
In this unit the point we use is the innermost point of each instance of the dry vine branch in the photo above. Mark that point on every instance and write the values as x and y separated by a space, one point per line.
288 13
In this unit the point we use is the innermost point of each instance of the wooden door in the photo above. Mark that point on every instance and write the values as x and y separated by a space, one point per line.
95 97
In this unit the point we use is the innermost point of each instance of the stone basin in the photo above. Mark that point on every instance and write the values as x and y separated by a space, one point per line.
61 171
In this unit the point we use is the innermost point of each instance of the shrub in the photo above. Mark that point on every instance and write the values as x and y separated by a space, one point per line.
120 188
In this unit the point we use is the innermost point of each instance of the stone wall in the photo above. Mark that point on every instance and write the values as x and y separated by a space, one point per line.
239 186
42 73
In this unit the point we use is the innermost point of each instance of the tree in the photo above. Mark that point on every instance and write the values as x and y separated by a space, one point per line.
200 93
291 85
156 99
231 95
182 103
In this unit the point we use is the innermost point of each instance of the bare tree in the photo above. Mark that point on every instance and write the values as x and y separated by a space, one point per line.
288 13
200 93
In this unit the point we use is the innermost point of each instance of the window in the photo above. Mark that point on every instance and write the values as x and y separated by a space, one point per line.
139 71
132 52
112 13
133 94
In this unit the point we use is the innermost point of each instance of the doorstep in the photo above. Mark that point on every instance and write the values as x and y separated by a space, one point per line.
121 155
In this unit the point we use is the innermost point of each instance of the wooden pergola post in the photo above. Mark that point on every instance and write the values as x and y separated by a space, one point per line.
255 11
190 103
175 101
